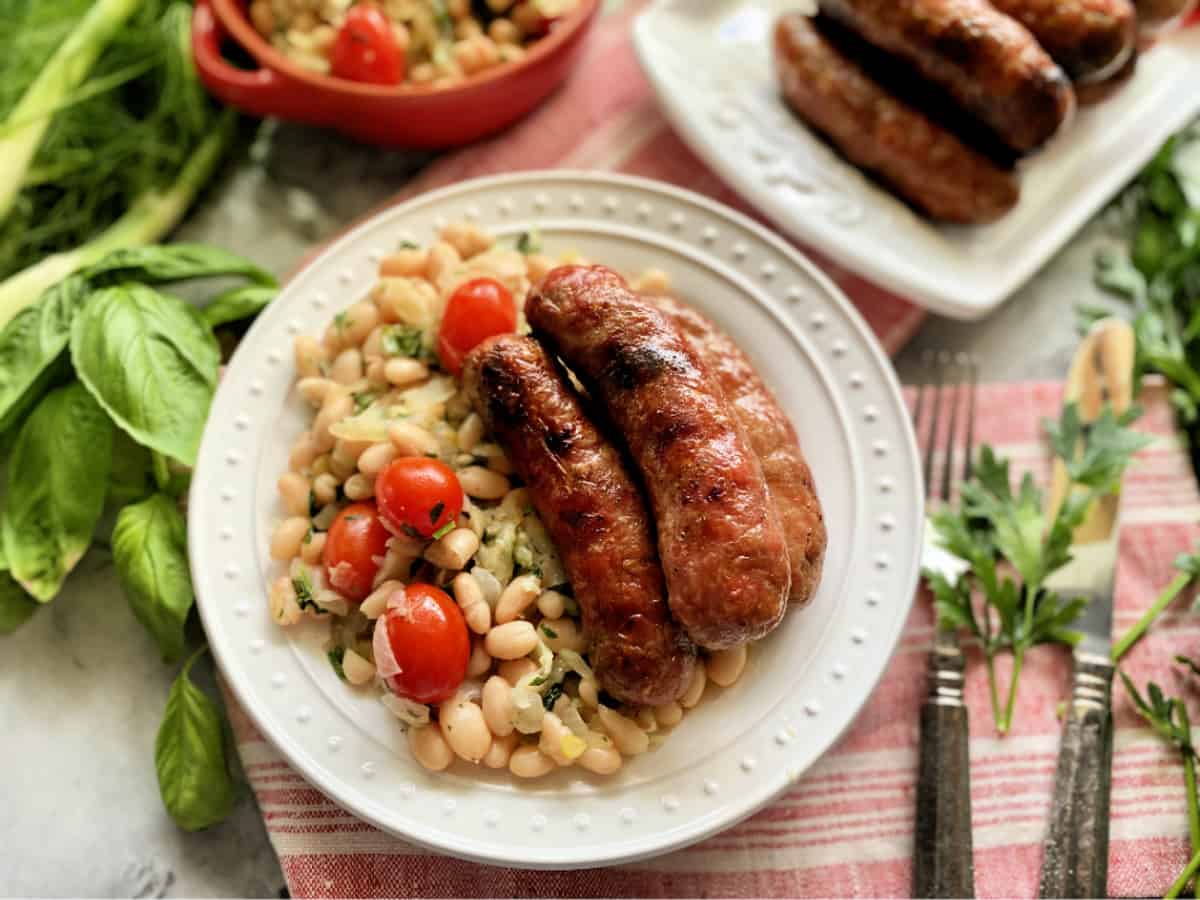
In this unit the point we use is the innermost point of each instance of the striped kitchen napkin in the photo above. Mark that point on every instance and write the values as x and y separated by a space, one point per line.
846 828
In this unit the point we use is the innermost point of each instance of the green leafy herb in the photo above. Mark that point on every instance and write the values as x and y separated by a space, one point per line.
530 242
57 481
237 303
131 478
551 696
1000 532
1188 565
151 363
443 531
341 322
336 655
173 263
363 400
308 535
303 587
189 755
549 632
313 506
16 607
403 340
150 550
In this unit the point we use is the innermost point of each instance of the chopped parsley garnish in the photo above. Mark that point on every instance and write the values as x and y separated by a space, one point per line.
408 245
403 340
530 242
308 535
435 512
537 682
363 400
341 322
443 531
313 506
304 591
551 696
336 657
549 632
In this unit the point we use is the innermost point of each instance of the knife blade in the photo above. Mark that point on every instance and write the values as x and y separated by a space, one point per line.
1075 857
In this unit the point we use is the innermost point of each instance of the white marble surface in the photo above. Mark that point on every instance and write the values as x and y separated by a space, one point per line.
81 686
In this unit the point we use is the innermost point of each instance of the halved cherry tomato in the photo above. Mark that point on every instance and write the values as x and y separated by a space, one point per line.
429 640
355 541
418 496
366 49
475 311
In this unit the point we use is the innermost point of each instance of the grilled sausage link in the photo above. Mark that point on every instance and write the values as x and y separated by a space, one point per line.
772 438
719 537
594 514
926 164
987 61
1090 39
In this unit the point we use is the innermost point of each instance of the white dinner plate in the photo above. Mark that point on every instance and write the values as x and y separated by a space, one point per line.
710 62
740 747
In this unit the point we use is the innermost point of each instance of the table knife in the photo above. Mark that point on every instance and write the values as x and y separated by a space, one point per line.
1075 853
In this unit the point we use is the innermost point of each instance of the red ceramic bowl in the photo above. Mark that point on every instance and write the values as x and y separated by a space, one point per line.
407 115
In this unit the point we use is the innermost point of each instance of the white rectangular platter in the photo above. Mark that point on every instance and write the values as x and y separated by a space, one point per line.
710 63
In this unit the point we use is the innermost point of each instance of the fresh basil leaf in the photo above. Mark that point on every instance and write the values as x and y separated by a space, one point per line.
130 479
169 263
16 606
237 304
151 362
32 343
189 756
57 479
150 550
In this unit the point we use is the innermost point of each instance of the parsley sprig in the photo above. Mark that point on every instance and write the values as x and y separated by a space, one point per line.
1188 565
1012 545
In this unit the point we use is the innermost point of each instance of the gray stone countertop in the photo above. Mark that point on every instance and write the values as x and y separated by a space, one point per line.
82 689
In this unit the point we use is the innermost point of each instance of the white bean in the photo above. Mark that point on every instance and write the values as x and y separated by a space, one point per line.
285 542
645 720
517 597
469 240
552 604
347 367
372 348
442 259
409 300
358 670
453 550
324 489
513 670
515 502
512 640
527 761
359 487
558 742
281 600
412 440
601 757
500 465
430 748
469 595
563 634
314 390
668 715
313 547
342 466
336 407
304 451
497 705
376 373
629 739
725 666
402 372
358 322
309 355
470 432
376 603
480 661
501 750
320 465
482 484
589 693
375 458
695 689
405 263
464 728
293 490
652 281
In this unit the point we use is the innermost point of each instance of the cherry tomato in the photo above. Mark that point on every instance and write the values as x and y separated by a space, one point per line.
428 637
418 496
477 310
355 541
366 49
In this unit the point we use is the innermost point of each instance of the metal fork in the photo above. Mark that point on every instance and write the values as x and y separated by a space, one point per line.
943 865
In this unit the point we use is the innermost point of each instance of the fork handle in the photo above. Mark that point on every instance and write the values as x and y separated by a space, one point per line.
1075 860
943 864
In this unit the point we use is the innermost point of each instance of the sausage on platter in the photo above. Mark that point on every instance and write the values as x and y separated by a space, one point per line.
719 537
594 513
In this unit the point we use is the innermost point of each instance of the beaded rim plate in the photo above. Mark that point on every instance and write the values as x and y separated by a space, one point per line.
742 746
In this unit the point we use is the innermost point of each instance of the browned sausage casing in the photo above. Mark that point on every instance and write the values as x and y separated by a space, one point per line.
594 514
773 439
987 61
1091 39
922 161
719 536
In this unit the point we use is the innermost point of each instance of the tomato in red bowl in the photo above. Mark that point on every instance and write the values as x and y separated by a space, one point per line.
408 114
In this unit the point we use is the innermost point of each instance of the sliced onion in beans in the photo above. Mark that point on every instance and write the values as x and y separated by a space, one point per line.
381 648
418 405
577 664
408 711
569 714
489 584
527 710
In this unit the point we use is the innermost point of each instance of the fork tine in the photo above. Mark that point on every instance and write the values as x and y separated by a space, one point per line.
935 416
972 386
951 438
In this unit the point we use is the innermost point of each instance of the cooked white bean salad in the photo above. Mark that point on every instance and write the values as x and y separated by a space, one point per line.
405 528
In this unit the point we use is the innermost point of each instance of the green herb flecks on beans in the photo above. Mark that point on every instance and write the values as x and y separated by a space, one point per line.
189 755
57 480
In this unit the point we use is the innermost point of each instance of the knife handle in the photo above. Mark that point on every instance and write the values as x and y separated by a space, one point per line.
943 864
1075 861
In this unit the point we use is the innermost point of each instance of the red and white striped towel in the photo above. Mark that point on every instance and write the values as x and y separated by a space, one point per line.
846 828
